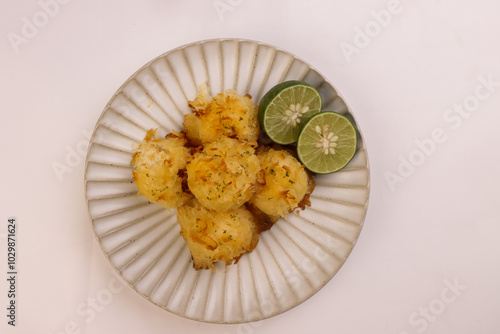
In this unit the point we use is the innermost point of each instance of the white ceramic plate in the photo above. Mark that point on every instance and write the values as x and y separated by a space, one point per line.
292 261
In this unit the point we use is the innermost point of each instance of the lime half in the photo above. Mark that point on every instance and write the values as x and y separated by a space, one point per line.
285 108
327 142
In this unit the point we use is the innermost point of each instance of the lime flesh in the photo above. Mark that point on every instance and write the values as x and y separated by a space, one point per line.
327 143
285 108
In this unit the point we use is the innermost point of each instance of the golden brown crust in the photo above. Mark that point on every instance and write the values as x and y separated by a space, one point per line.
157 169
216 235
223 175
285 183
227 114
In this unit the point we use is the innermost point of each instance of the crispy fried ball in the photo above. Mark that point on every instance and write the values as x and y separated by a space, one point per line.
282 183
223 175
156 164
228 114
214 236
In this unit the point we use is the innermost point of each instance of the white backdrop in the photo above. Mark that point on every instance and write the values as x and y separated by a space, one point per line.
422 78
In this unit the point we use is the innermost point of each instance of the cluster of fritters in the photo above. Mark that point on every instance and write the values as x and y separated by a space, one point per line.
225 187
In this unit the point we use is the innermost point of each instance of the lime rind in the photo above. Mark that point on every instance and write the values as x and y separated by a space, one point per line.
312 144
277 101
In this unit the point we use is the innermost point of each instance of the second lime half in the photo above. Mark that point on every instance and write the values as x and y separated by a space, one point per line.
327 143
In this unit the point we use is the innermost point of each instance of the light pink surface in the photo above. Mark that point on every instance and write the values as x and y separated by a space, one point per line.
423 78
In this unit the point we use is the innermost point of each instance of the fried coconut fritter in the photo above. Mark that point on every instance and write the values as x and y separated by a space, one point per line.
226 192
283 184
156 164
223 175
213 236
228 114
